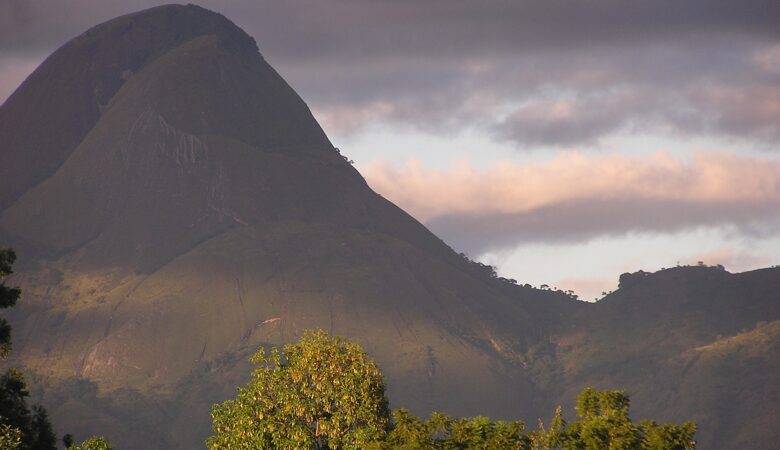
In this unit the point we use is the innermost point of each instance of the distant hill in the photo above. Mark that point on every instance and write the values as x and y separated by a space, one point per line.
175 205
688 342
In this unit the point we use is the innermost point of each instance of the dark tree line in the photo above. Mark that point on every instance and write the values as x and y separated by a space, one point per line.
22 427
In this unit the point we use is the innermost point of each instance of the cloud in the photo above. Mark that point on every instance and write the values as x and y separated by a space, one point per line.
14 71
339 27
538 73
587 288
569 122
575 197
752 110
749 110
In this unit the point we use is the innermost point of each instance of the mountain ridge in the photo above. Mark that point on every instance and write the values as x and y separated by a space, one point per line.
196 211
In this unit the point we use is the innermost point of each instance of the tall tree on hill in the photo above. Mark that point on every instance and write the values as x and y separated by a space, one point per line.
20 428
320 393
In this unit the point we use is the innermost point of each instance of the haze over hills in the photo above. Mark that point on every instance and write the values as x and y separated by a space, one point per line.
175 205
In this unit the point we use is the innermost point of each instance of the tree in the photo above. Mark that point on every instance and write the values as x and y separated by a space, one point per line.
8 298
604 423
443 432
668 436
325 393
322 392
10 437
42 432
93 443
410 433
35 429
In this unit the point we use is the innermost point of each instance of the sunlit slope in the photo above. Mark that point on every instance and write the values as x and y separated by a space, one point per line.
205 213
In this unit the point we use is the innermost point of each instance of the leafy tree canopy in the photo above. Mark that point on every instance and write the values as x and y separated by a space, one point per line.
604 423
10 437
322 392
93 443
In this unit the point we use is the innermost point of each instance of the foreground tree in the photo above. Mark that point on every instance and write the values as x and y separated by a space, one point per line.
8 298
10 437
604 423
93 443
16 420
325 393
443 432
321 393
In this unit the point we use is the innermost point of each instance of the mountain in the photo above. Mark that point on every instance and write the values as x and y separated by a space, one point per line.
695 343
175 205
185 208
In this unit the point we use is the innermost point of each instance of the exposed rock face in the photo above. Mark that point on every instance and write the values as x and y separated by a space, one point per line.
175 205
180 206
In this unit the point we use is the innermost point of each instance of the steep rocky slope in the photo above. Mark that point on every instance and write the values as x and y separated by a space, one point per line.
198 211
175 205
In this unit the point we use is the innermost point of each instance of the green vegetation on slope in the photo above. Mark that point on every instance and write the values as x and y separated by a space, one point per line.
20 427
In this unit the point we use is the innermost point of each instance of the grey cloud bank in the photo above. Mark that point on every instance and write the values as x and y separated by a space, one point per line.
570 73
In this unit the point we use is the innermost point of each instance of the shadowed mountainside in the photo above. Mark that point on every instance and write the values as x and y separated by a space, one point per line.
695 343
175 205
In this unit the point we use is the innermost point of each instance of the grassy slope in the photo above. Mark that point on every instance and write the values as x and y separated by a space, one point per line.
689 342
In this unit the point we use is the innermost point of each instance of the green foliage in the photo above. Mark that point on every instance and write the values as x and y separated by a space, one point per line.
604 423
8 298
325 393
442 432
10 437
482 433
409 432
668 436
34 424
553 437
93 443
322 392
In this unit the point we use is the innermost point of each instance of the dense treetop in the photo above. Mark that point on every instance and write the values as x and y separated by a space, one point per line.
325 393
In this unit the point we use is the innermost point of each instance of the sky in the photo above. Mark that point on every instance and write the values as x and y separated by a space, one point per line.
563 142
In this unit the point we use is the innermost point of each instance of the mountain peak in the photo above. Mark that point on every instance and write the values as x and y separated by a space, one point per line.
76 84
170 25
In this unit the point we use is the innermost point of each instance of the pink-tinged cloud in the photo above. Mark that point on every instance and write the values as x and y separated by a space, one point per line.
575 197
587 288
768 59
14 71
